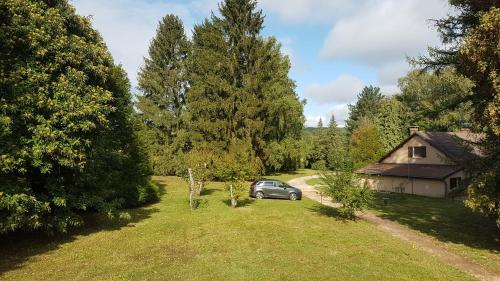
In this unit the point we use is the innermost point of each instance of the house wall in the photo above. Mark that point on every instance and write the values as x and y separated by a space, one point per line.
431 188
433 156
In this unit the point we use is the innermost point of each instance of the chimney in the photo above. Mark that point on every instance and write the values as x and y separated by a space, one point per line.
413 130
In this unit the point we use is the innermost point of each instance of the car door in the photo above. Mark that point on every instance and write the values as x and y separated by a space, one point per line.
281 189
268 188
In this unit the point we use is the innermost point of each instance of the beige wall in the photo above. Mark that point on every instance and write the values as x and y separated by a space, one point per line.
400 156
431 188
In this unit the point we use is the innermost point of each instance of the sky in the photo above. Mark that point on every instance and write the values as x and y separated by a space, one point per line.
336 47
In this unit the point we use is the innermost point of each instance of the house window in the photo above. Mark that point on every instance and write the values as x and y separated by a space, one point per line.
455 182
417 151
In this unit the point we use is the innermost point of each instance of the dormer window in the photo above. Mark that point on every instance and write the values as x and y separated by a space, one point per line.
417 152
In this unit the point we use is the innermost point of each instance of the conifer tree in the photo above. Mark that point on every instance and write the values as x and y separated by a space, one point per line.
367 105
163 84
393 122
239 85
337 157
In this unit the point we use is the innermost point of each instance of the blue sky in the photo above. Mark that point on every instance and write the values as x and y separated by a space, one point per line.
336 46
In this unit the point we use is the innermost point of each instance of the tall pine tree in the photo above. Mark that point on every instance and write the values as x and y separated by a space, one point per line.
239 85
368 105
163 84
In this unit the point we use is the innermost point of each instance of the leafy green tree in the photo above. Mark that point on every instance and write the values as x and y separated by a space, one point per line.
435 101
65 121
366 144
236 165
345 188
239 85
471 36
368 105
163 84
393 122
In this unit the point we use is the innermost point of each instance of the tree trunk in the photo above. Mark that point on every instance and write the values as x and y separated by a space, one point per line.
234 201
191 190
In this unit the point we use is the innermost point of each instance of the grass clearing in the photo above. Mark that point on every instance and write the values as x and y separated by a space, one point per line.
264 240
448 221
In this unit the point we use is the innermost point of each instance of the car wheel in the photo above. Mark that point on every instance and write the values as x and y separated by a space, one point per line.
259 195
293 196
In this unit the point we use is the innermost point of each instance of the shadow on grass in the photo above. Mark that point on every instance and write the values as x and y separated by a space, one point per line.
331 212
17 248
208 191
444 219
241 202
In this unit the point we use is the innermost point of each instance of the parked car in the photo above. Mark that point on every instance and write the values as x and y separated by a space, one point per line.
265 188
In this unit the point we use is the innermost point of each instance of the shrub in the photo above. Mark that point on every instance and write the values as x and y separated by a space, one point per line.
319 165
346 188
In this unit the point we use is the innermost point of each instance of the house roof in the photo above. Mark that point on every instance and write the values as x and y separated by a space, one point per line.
458 146
420 171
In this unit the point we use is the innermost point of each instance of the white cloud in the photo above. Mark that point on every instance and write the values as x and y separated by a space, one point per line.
385 30
389 90
390 72
313 120
305 11
343 89
128 26
340 112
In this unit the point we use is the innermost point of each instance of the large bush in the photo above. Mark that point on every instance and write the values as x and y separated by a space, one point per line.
67 134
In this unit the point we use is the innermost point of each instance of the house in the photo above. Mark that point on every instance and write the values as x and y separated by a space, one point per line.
426 163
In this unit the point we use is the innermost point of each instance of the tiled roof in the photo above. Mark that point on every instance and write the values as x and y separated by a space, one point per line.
421 171
458 146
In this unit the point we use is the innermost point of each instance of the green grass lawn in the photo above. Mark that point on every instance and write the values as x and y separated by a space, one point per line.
469 234
263 240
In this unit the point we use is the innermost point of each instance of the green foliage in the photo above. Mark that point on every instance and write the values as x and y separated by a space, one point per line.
367 105
346 188
163 84
392 122
239 86
238 163
330 148
319 165
484 195
366 143
435 101
73 145
473 36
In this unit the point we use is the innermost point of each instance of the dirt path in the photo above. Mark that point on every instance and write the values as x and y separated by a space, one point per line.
433 247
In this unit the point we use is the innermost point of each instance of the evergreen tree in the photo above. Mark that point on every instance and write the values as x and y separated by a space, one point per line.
393 122
239 85
320 124
368 105
66 121
163 84
471 36
366 144
337 157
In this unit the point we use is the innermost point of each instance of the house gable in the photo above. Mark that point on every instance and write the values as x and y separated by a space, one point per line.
399 155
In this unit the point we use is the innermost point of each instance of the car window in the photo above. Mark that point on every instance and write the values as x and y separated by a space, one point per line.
268 183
